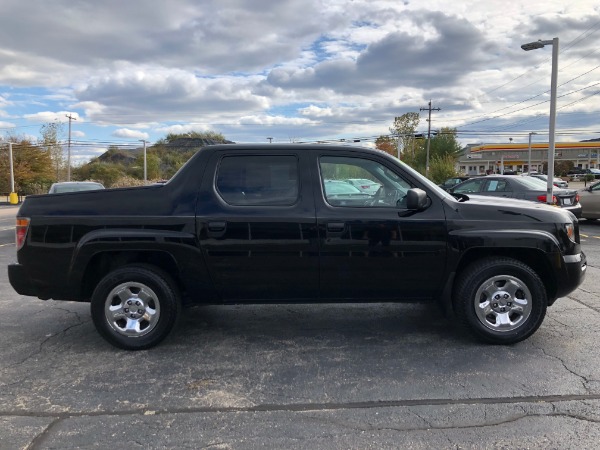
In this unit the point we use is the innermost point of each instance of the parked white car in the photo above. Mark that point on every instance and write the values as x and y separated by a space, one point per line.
558 182
74 186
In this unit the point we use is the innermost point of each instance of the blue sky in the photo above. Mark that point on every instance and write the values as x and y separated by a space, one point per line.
294 70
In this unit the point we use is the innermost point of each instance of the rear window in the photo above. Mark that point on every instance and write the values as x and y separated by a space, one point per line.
258 180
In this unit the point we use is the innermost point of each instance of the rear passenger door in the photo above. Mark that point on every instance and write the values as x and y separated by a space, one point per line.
497 188
257 228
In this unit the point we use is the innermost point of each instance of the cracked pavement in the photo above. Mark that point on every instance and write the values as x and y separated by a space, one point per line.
286 376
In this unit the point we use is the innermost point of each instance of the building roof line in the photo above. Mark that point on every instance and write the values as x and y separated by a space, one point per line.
536 146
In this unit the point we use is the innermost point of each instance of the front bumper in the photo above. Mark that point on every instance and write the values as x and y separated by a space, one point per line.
573 274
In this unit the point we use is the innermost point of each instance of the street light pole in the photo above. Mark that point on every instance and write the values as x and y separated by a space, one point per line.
552 124
529 153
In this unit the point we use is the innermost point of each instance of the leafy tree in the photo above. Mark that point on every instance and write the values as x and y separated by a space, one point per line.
163 159
442 167
403 131
205 135
105 173
387 144
51 133
32 167
442 144
152 166
562 168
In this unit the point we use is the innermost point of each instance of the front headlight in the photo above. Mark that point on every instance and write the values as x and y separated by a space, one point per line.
570 230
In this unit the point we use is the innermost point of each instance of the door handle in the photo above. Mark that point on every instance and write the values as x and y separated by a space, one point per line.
336 227
217 226
216 230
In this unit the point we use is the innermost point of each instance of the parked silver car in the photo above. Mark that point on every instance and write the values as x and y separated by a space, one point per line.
589 198
558 182
365 185
524 188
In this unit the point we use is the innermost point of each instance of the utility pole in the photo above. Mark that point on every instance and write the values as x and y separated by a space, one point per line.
70 117
145 164
429 108
270 139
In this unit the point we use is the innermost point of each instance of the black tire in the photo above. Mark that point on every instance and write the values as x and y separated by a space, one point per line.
500 300
135 307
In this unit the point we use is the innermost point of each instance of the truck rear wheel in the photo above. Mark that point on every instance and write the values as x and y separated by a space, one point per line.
135 307
500 300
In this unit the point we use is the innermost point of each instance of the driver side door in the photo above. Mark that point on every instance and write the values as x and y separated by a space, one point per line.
371 249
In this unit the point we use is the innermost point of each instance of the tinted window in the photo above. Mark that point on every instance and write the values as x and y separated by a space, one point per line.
497 186
258 180
470 186
391 188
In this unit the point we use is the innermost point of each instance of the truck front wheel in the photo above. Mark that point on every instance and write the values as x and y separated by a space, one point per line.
135 307
500 300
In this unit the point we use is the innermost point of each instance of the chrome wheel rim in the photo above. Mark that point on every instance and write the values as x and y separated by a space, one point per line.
503 303
132 309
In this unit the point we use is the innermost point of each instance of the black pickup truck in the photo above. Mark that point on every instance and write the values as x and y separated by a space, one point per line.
276 224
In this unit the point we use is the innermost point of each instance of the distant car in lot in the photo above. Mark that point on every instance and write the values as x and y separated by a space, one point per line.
451 182
595 172
524 188
558 182
364 184
341 193
580 173
576 171
589 198
74 186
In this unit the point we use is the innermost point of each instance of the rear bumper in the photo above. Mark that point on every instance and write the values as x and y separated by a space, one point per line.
20 280
576 210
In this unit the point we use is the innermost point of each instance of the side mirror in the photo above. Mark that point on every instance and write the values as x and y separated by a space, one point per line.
416 199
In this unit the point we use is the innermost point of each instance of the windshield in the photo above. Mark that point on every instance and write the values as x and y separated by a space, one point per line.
74 187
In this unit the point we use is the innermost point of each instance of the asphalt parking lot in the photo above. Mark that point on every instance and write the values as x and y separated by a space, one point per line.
308 376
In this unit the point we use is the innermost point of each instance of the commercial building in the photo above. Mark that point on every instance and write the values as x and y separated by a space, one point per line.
500 158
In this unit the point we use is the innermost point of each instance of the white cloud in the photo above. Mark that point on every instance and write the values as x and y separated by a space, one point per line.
51 116
130 134
297 68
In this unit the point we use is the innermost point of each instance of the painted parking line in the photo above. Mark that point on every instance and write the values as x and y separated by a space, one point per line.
5 245
585 236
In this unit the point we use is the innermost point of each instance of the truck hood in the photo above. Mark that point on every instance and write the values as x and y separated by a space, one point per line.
502 207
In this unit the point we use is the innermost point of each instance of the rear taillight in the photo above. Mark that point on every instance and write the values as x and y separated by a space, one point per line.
366 186
21 231
576 198
542 198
